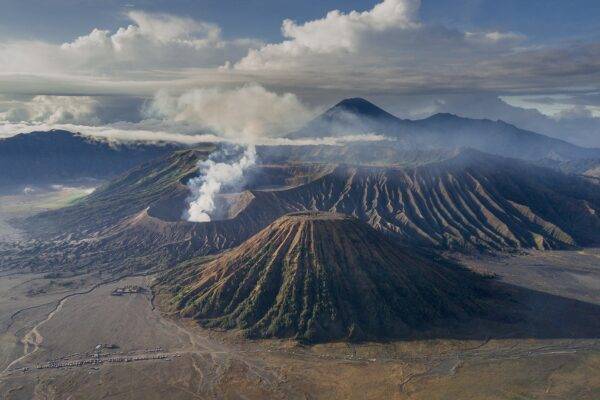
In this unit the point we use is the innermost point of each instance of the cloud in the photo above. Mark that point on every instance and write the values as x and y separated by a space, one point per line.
337 34
387 50
151 41
388 42
494 37
246 113
54 110
215 176
166 28
153 131
575 112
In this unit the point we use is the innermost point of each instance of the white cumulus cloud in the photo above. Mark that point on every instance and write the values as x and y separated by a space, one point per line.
387 41
54 110
385 50
150 41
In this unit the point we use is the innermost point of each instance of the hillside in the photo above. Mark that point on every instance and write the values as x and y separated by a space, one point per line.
126 195
469 201
60 156
322 277
587 167
441 131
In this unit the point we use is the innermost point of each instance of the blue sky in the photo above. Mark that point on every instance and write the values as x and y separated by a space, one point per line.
535 63
60 20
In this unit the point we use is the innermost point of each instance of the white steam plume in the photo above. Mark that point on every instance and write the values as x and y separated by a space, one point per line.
214 177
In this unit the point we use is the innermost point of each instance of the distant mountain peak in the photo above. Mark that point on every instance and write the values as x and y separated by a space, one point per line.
355 102
444 117
360 106
440 131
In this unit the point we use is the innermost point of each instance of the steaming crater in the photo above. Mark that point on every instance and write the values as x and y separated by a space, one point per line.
229 204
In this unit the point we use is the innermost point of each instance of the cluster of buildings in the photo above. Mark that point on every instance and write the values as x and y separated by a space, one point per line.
96 361
127 289
96 358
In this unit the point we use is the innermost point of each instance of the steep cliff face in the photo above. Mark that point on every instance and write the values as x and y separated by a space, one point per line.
323 276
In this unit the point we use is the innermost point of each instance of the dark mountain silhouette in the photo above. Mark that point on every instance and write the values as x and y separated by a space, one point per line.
359 106
351 117
59 156
441 131
322 277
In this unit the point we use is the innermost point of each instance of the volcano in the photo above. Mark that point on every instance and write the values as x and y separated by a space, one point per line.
315 276
470 201
441 131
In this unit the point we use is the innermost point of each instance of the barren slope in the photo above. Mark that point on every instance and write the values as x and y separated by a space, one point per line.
470 201
473 200
322 276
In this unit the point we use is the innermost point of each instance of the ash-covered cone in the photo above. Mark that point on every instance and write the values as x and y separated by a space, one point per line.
323 276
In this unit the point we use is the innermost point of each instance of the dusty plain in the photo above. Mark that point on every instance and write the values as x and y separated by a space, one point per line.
48 352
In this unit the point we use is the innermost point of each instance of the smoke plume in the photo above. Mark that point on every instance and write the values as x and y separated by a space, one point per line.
243 114
215 175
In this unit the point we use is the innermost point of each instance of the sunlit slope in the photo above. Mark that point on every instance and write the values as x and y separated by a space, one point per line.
322 276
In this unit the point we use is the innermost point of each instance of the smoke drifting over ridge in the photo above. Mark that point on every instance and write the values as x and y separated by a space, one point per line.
243 114
244 117
239 118
248 114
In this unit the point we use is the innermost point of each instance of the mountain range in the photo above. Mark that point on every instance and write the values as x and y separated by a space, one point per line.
470 201
446 198
59 156
441 131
